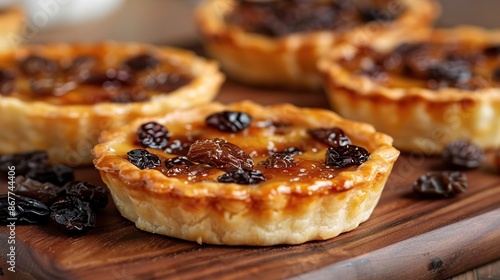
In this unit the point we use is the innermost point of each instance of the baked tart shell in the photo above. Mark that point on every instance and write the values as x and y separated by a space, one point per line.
69 132
419 119
291 61
283 212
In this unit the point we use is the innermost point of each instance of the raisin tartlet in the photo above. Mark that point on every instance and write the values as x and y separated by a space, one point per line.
59 97
244 174
426 92
11 20
277 43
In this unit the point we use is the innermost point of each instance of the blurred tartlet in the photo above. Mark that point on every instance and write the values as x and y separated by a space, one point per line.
426 92
59 97
278 43
11 22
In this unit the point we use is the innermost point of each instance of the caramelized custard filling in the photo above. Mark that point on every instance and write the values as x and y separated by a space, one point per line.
258 150
284 17
88 79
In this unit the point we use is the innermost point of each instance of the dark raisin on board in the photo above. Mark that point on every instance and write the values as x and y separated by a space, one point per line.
143 159
229 121
153 135
330 136
46 193
57 174
463 154
24 162
73 215
346 156
244 177
441 184
141 62
220 154
22 210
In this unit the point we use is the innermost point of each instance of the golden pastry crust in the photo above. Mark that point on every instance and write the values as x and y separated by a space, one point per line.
69 131
284 209
11 20
290 61
419 118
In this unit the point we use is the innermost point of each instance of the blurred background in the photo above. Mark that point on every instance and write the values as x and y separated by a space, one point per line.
170 21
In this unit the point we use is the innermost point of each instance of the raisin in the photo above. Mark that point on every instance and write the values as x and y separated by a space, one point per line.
110 79
453 71
73 214
331 136
34 65
229 121
43 192
244 177
22 210
130 95
220 154
292 151
345 156
141 62
95 195
24 162
153 135
443 184
279 160
463 154
56 174
176 161
178 147
143 159
7 82
166 82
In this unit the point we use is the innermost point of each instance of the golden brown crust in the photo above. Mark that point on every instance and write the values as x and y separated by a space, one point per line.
271 212
68 132
421 119
290 61
11 20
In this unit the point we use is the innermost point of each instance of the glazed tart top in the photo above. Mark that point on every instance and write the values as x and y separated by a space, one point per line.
91 74
463 59
244 148
284 17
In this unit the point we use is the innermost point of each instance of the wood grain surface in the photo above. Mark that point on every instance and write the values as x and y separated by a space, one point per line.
407 237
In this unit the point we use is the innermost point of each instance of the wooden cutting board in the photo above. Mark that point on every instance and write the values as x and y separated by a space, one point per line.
407 237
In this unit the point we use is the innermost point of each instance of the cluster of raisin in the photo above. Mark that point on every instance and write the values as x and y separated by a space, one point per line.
341 152
47 77
201 154
458 155
45 191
